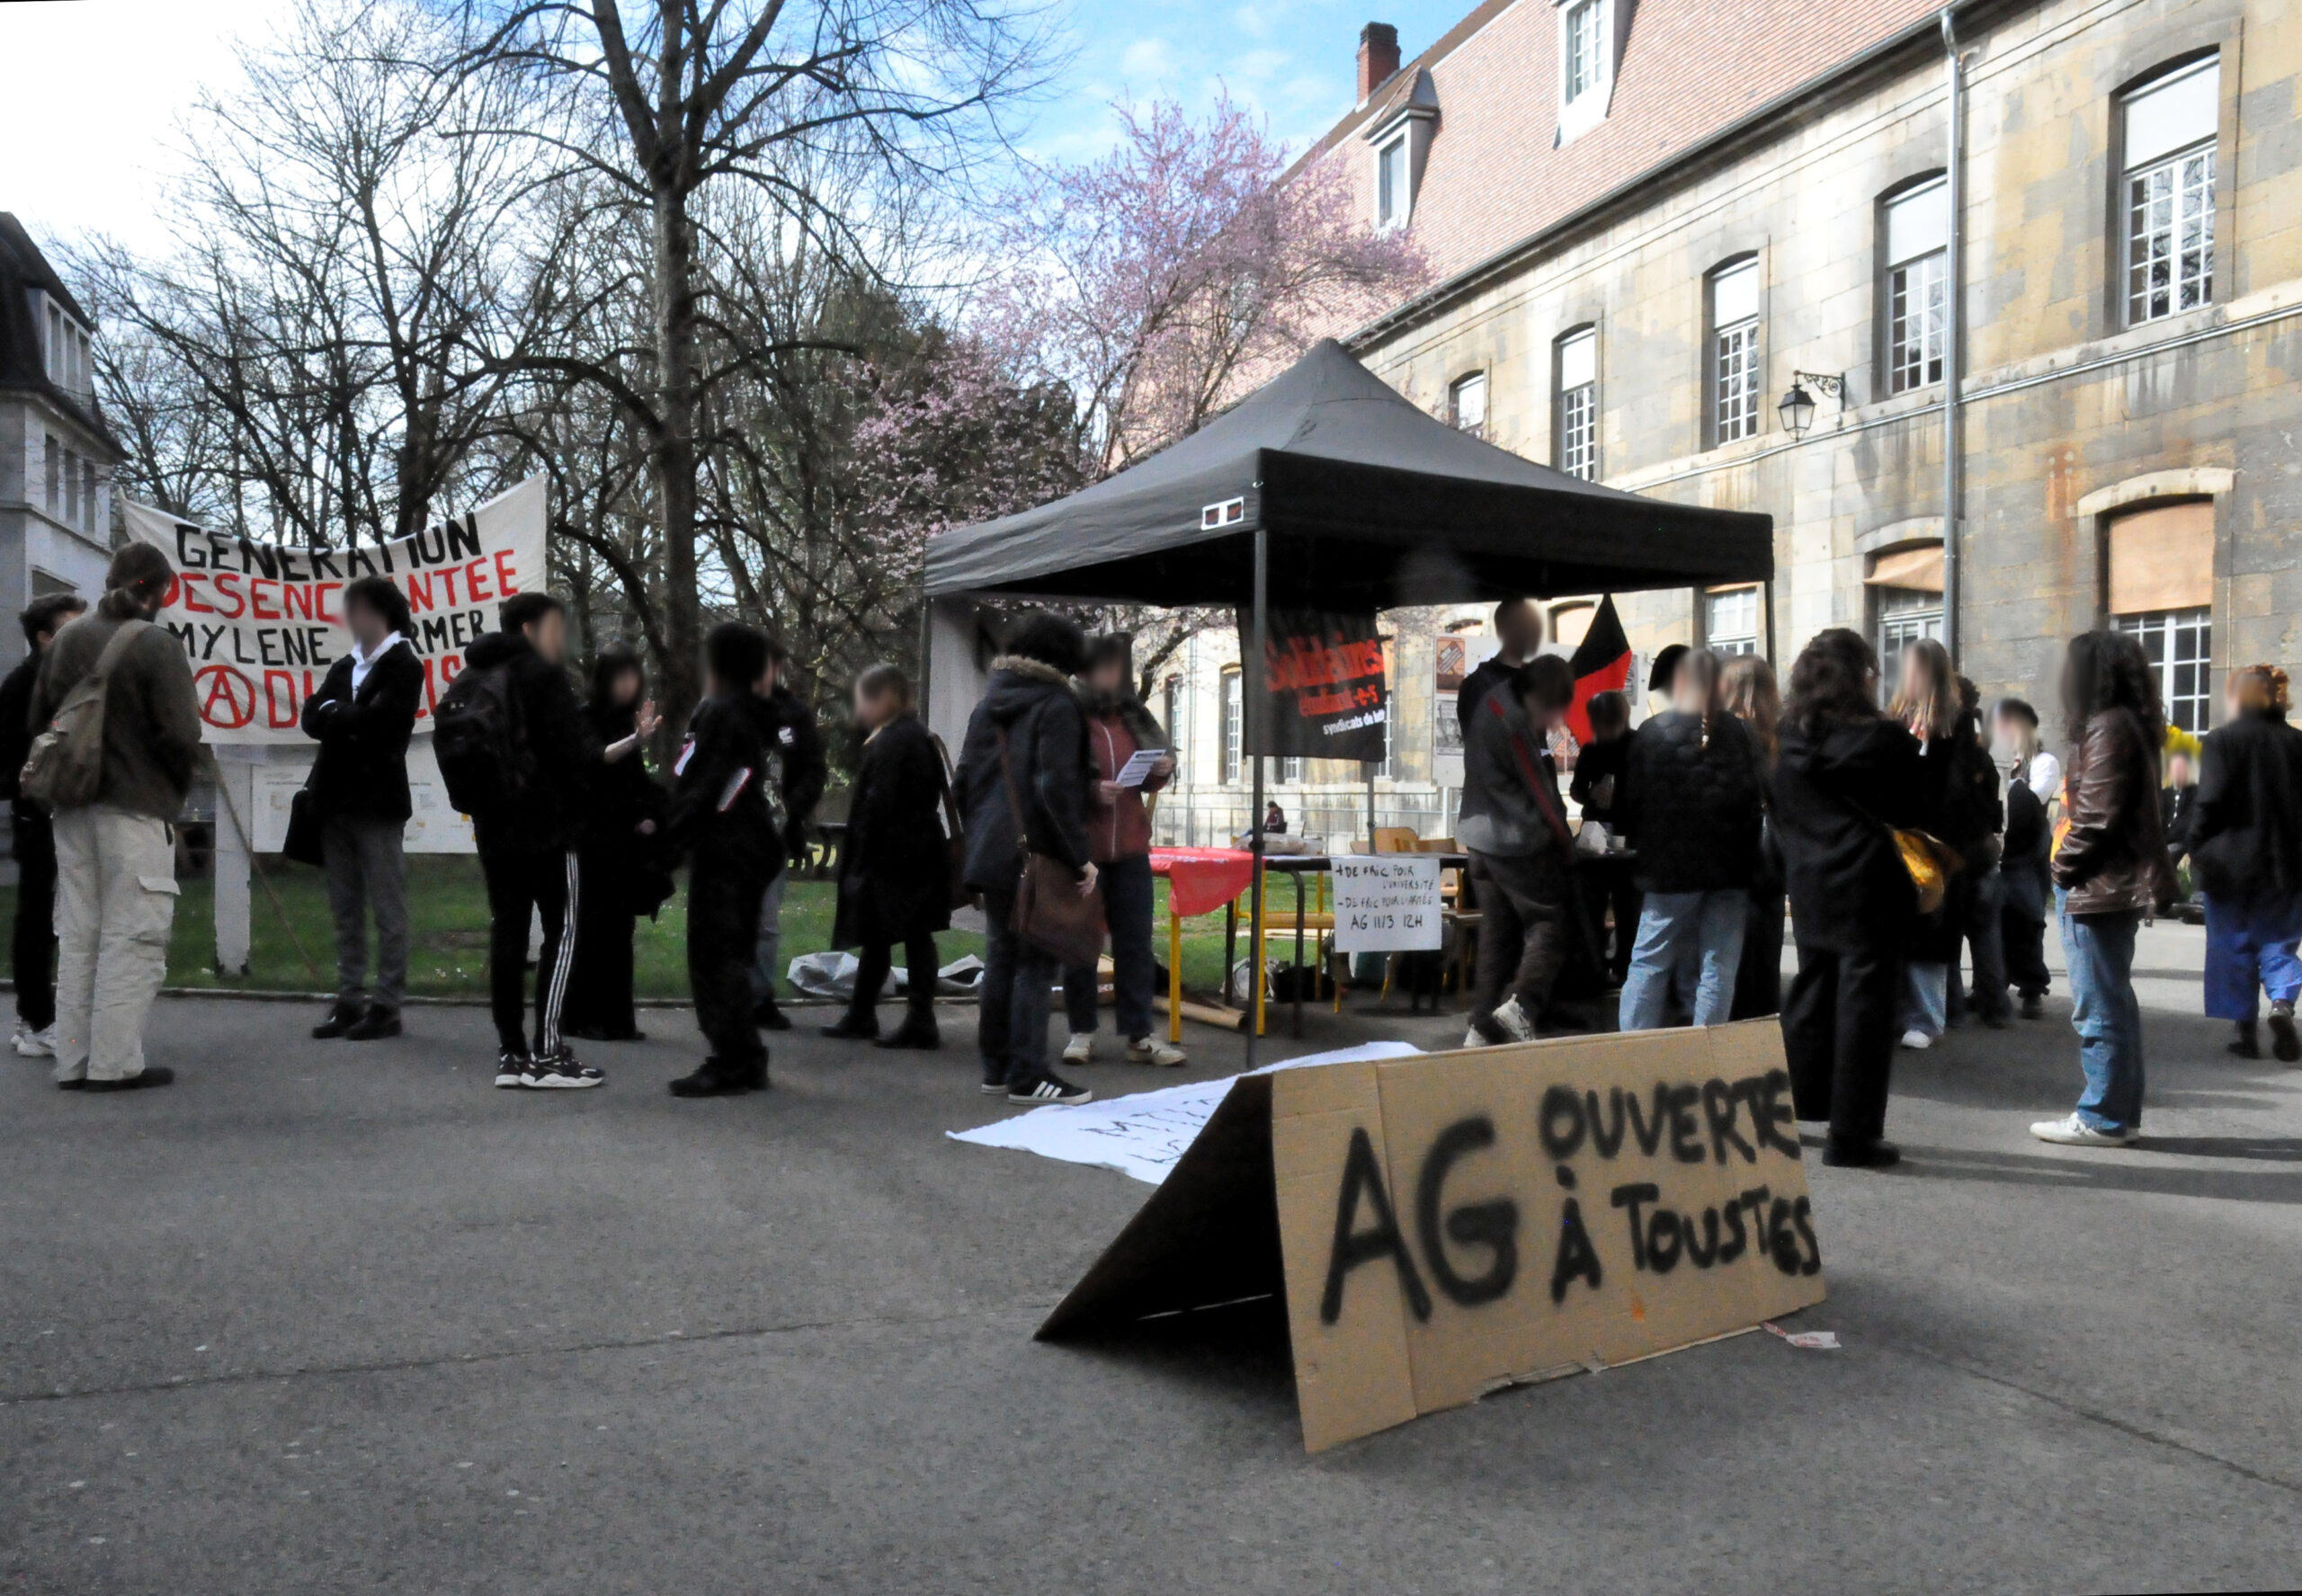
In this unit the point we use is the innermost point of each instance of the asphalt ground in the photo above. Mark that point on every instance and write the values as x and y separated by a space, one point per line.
334 1317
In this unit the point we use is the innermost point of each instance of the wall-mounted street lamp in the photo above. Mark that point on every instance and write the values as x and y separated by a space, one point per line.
1798 407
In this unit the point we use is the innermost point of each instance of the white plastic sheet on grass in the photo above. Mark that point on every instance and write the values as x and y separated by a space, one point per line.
1140 1136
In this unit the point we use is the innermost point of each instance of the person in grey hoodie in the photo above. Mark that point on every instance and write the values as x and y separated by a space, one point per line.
1515 828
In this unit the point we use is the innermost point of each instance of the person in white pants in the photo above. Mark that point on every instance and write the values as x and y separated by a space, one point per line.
115 858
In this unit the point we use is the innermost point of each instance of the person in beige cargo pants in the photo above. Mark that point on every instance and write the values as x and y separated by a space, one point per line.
115 858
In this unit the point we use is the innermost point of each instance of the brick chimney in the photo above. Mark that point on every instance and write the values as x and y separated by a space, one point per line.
1378 58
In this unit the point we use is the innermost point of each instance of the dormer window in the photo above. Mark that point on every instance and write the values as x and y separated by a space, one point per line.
1400 133
64 347
1588 48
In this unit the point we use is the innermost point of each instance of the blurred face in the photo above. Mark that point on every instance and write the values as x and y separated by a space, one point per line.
63 618
768 678
1915 685
548 635
623 688
366 622
872 709
1108 675
2233 706
1687 691
2177 770
1543 717
1520 628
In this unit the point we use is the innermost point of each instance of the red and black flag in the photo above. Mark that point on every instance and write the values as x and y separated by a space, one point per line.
1601 664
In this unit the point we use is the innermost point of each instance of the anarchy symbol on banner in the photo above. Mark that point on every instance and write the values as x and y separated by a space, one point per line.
226 698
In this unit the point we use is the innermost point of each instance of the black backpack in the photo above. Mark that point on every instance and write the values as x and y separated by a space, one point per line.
477 738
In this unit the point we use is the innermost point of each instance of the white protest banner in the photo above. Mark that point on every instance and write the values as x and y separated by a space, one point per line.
433 825
261 623
1386 903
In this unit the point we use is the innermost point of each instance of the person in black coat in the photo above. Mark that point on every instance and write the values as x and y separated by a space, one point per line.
31 839
1690 803
623 874
1972 819
1606 879
722 817
797 770
361 718
1845 774
895 881
2246 846
1748 688
1025 756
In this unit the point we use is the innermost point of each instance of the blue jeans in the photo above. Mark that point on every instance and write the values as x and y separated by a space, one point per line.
1125 886
2250 949
1011 1015
2099 948
1926 998
1693 941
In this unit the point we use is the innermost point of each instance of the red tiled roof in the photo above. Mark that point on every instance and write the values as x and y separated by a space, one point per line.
1691 69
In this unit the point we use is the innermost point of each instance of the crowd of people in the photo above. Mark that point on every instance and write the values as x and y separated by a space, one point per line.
1904 842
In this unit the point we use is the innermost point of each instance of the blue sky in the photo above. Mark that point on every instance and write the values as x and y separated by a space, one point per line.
1293 61
91 148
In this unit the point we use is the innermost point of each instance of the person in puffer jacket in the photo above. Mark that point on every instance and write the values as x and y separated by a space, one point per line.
1691 804
1118 837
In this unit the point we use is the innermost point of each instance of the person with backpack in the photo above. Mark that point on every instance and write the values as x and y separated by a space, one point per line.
117 736
1691 804
361 718
723 816
1022 787
1514 825
32 839
798 770
895 877
513 751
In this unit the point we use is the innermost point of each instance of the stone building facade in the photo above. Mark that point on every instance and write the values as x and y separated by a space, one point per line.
1651 222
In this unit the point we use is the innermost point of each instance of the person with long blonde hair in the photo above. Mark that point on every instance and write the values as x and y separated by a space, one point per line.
1926 703
1747 687
2245 847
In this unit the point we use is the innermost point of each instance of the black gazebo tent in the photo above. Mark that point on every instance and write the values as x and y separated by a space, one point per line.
1326 489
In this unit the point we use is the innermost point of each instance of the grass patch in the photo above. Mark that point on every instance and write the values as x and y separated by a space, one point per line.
448 932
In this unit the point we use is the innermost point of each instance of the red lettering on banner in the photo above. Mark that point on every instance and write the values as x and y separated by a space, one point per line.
227 698
227 584
448 574
279 685
258 592
296 601
190 585
474 581
419 593
507 579
320 596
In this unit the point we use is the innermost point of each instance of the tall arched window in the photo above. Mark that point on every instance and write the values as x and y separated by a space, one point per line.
1914 226
1732 292
1575 407
2166 132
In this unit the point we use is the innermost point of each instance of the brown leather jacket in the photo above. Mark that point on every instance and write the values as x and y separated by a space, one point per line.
2111 857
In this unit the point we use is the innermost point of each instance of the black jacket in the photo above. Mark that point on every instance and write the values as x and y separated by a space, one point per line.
1691 809
719 807
619 859
894 874
2245 827
787 728
1491 673
1047 742
2178 810
361 772
1834 795
1592 765
16 722
558 745
1964 779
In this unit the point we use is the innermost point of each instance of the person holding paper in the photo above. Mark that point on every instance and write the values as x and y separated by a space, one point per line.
1120 733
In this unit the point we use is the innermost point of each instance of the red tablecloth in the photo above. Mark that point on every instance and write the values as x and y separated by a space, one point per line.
1202 879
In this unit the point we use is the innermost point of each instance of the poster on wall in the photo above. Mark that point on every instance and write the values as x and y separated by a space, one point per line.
261 623
1454 656
1325 688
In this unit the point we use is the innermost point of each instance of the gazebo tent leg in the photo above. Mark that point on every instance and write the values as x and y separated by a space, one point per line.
1251 693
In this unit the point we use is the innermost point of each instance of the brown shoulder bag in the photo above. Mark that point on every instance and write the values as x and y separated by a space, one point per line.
1051 914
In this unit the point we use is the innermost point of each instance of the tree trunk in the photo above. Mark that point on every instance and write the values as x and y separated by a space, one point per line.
672 458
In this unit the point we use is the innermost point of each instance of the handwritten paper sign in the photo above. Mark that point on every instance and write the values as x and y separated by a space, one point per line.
1444 1226
1386 903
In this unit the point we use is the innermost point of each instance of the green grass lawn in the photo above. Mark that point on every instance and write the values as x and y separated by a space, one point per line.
448 915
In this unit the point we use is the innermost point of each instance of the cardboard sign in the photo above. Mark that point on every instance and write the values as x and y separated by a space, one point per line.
1386 903
1324 686
261 624
1447 1225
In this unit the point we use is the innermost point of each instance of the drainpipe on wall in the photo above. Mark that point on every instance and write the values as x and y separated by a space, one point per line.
1954 305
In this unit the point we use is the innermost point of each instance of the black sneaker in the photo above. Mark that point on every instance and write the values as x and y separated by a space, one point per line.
2031 1007
2285 1042
340 1019
151 1075
510 1064
768 1017
862 1028
1045 1089
559 1072
916 1032
377 1022
710 1079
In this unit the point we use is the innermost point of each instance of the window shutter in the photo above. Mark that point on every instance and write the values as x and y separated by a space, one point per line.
2163 560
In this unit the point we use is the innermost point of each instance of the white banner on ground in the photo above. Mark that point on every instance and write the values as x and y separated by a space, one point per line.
261 624
1386 903
1140 1136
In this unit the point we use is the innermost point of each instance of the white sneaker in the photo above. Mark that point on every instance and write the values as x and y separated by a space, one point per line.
1471 1039
1080 1049
1152 1052
2075 1132
1514 1022
1918 1041
35 1044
